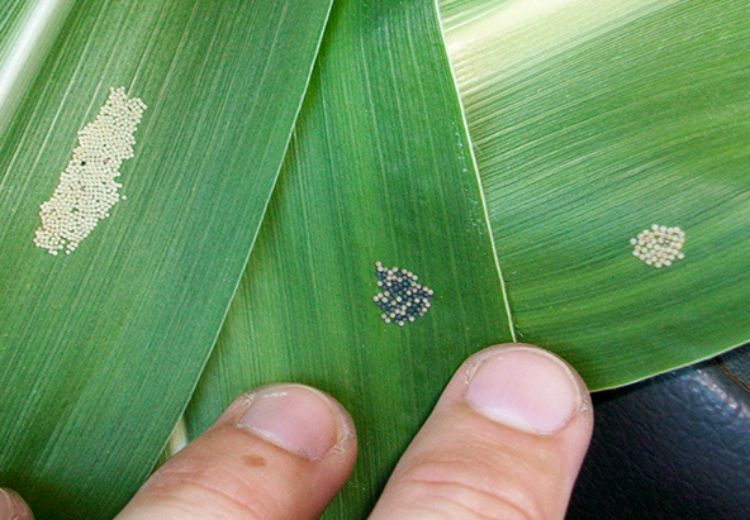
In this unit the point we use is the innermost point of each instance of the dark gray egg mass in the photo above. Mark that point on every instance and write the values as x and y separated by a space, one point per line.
401 298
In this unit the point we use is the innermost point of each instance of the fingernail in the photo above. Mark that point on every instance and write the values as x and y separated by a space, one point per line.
525 388
296 418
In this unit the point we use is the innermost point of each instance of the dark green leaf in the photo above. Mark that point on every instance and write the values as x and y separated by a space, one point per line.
379 170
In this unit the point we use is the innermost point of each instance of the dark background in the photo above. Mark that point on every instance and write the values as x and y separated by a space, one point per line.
675 447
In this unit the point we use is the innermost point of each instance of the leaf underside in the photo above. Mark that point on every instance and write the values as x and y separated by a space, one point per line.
86 340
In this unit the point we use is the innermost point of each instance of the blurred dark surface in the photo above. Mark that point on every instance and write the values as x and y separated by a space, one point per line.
673 447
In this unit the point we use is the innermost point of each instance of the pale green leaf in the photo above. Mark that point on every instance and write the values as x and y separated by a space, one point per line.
591 121
28 29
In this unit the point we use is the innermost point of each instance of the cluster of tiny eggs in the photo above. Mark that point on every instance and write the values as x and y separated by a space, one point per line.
659 246
87 189
402 299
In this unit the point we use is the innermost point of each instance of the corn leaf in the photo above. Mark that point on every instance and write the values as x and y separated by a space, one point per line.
379 169
100 349
591 121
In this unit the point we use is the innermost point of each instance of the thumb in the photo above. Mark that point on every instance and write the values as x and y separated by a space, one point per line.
12 506
282 451
505 440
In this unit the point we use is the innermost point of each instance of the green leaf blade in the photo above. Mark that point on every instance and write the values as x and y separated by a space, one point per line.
379 170
591 121
28 30
86 339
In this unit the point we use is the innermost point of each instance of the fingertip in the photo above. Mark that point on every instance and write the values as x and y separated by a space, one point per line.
299 419
13 507
506 438
524 387
507 381
279 451
530 390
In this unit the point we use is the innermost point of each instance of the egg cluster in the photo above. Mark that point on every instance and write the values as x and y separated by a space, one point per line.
87 189
401 299
659 246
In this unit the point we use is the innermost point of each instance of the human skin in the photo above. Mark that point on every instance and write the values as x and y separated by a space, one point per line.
505 440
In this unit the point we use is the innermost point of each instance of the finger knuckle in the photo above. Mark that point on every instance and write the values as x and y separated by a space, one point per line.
194 487
474 488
